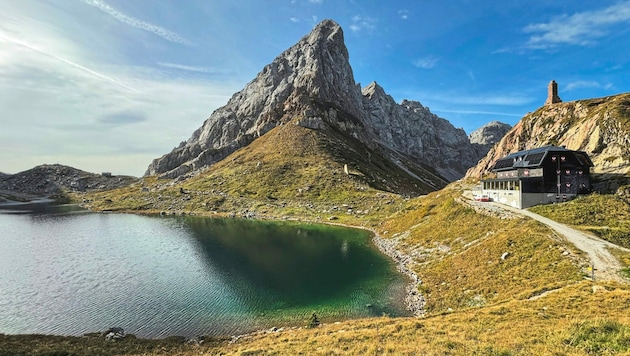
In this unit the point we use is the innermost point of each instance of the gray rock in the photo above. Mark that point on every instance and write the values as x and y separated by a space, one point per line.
313 83
114 334
486 136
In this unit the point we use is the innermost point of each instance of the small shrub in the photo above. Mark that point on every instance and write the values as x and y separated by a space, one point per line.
313 321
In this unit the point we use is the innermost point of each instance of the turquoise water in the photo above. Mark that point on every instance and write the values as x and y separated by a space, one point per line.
72 272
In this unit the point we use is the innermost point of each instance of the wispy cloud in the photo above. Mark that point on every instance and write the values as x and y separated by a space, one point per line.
294 19
186 67
317 2
67 62
453 98
581 28
581 84
122 118
137 23
361 23
426 62
404 14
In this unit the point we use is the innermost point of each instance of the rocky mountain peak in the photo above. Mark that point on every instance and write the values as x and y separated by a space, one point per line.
489 134
312 83
316 67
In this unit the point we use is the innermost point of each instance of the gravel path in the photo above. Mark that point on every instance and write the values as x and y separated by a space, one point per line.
605 264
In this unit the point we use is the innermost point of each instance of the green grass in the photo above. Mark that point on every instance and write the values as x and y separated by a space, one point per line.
599 337
289 173
605 215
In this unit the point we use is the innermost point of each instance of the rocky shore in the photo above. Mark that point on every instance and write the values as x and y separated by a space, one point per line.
414 300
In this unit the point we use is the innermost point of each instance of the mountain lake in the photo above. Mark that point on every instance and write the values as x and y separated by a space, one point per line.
66 271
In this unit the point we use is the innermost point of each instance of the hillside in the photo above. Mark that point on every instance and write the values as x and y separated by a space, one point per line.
292 171
55 180
601 127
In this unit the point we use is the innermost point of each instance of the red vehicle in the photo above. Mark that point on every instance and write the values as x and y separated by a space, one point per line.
482 197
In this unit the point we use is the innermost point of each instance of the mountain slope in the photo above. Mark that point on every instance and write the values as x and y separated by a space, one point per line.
601 127
313 79
292 170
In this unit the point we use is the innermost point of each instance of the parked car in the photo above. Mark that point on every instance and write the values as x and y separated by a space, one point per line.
482 197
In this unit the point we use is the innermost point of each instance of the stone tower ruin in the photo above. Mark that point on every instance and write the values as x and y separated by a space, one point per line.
552 93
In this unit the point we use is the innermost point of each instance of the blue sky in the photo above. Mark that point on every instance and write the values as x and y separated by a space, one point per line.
108 85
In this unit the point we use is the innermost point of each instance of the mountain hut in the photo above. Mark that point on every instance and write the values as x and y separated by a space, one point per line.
543 175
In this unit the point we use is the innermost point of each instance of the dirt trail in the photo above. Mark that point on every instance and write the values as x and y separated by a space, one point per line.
605 264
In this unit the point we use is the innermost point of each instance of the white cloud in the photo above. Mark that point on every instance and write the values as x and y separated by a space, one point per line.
66 61
493 99
477 112
65 101
361 23
581 28
137 23
454 98
294 19
580 84
317 2
404 14
186 67
426 62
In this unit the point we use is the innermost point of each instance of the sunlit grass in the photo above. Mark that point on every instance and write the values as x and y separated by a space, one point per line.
605 215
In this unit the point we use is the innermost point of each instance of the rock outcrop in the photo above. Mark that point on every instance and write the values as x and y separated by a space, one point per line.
600 127
313 81
52 179
412 129
486 136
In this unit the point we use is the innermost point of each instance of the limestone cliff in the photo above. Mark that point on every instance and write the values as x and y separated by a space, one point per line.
313 81
601 127
412 129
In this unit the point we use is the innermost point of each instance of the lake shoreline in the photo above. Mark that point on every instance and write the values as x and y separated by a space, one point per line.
414 300
384 246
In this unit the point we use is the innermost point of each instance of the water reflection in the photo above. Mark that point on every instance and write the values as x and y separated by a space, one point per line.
289 265
72 273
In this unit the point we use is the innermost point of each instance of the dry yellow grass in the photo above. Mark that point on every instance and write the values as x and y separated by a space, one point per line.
579 319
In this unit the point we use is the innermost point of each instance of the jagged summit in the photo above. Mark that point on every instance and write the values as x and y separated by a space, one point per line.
313 82
489 133
316 67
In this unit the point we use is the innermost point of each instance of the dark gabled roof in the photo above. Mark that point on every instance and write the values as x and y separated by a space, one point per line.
533 158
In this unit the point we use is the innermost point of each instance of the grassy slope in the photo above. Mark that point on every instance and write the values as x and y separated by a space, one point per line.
607 216
289 172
